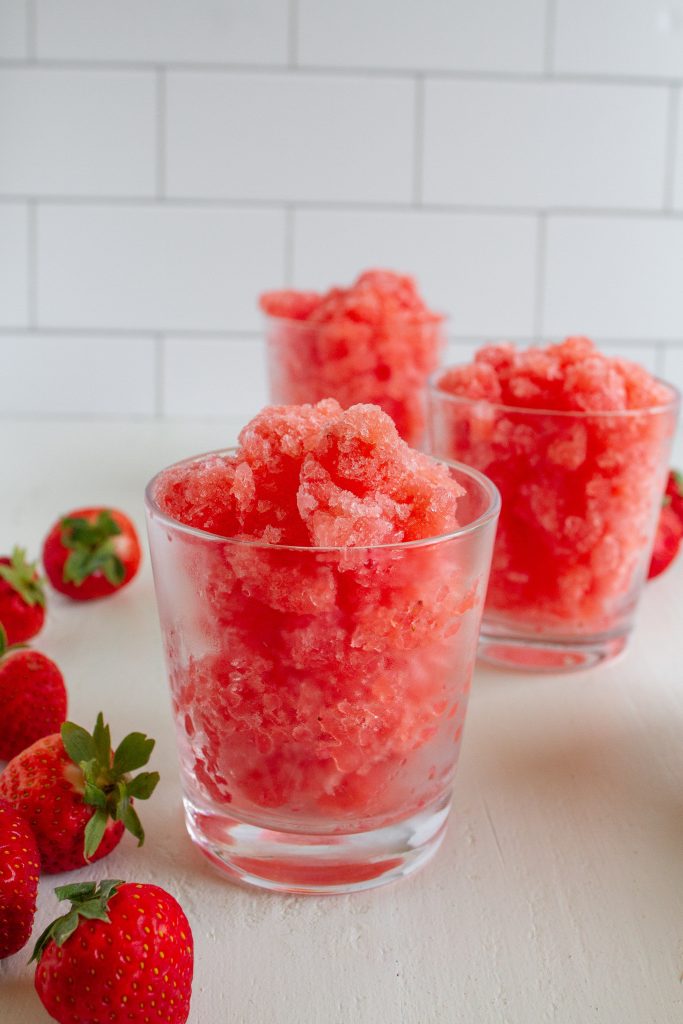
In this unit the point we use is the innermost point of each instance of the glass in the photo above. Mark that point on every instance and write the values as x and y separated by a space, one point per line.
386 365
319 694
581 494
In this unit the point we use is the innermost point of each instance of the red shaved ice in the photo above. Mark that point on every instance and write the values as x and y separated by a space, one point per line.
374 342
577 443
320 636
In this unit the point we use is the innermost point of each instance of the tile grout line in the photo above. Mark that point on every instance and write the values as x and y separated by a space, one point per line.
549 40
418 140
159 368
671 149
537 77
539 277
293 34
160 133
31 31
32 264
290 224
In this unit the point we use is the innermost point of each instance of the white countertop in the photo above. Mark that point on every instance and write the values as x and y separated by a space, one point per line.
558 893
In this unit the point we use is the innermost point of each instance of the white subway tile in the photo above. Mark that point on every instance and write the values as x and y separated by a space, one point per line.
214 376
478 269
490 35
677 155
147 267
79 376
13 26
619 37
614 277
77 132
14 285
239 31
289 137
544 144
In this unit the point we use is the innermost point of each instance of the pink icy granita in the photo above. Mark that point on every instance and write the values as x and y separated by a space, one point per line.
320 606
375 341
577 443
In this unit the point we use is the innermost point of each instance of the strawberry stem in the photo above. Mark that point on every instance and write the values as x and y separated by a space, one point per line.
23 577
108 786
88 900
91 549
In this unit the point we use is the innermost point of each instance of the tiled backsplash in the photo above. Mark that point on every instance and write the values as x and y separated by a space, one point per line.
162 162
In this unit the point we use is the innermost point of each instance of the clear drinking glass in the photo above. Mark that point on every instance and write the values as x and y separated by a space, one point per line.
386 365
319 694
581 495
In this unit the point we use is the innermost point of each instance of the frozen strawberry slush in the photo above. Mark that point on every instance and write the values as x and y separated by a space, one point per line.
320 654
375 341
577 443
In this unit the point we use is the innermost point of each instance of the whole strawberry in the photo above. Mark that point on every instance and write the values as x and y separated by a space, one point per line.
670 526
19 870
32 698
77 795
22 598
122 953
91 553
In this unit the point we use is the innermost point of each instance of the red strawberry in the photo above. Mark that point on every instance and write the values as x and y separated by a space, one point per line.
76 795
123 952
92 552
19 870
32 698
22 598
670 526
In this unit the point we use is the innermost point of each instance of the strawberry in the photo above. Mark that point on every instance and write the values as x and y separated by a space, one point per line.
19 870
77 795
22 598
92 552
32 698
123 952
670 526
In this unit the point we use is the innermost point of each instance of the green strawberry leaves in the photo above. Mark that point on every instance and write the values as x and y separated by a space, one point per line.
23 577
91 549
88 899
107 785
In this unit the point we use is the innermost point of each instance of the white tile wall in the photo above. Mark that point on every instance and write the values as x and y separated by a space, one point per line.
620 37
478 269
14 268
162 162
13 28
77 133
158 31
201 376
423 35
292 138
544 144
616 277
163 267
52 375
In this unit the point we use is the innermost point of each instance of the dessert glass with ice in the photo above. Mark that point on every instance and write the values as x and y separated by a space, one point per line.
375 341
578 444
320 589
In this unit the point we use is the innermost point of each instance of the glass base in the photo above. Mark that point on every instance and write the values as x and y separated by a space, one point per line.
536 654
317 864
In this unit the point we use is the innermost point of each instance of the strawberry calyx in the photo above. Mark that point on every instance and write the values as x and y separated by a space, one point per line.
91 549
89 900
23 577
108 786
5 647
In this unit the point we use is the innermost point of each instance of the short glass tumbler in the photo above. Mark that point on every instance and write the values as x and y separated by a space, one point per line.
581 495
319 694
387 364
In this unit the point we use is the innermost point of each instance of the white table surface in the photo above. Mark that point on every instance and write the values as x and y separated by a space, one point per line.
558 893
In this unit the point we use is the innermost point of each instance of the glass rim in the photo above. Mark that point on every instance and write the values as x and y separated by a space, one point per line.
490 514
649 410
434 319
